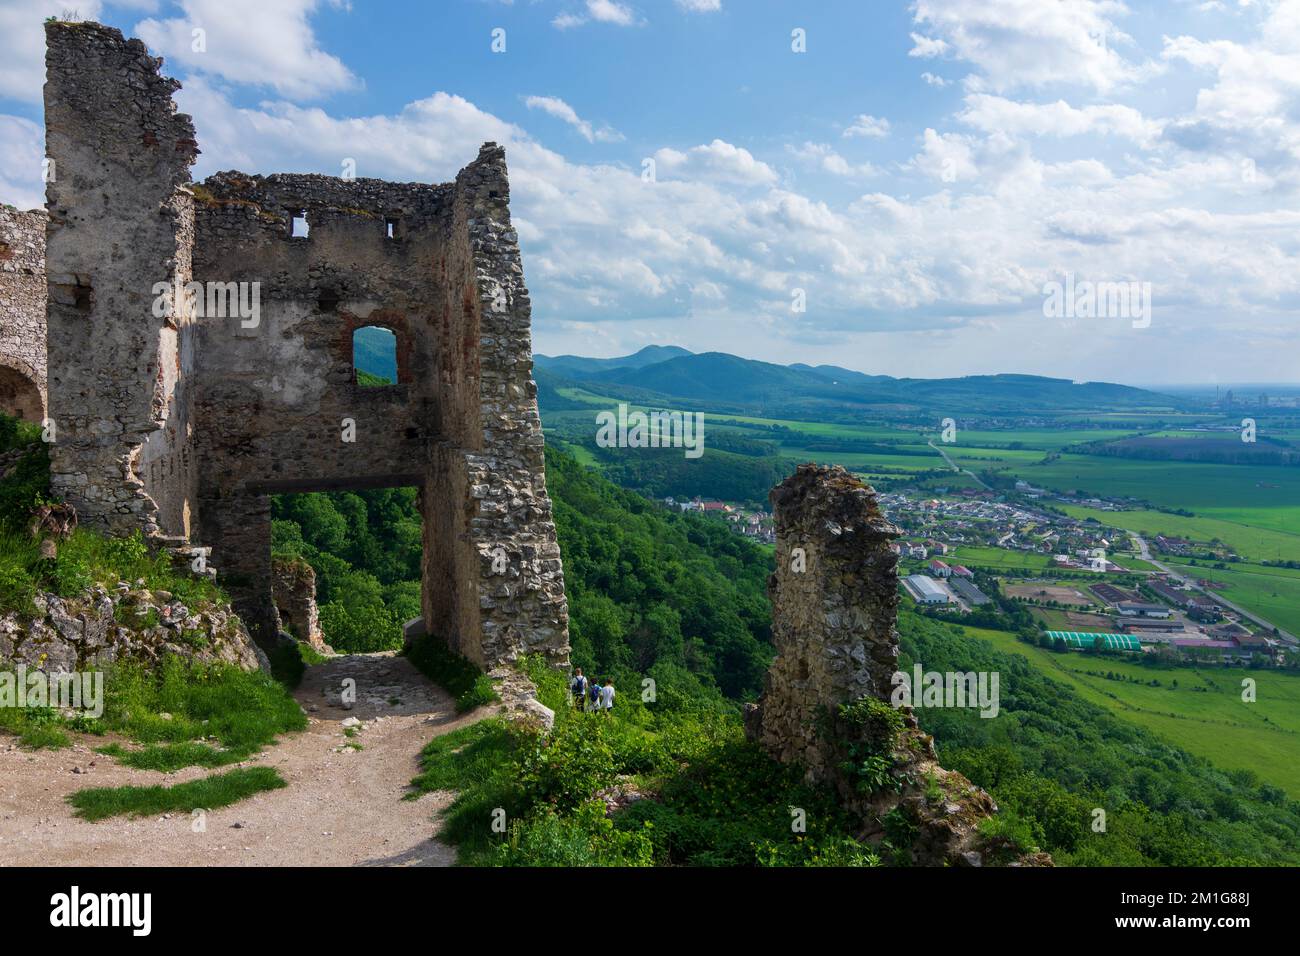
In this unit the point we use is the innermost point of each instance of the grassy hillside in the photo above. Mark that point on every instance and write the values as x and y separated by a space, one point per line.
1054 755
1197 708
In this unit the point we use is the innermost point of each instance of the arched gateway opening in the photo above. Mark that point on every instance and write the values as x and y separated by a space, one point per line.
20 396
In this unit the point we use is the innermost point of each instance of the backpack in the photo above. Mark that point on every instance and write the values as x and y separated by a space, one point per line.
579 685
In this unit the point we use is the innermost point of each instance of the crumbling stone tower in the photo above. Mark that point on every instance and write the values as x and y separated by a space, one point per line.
182 415
834 605
834 609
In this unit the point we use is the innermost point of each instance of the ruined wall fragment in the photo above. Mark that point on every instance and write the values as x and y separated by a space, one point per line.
293 586
508 597
119 221
834 609
184 420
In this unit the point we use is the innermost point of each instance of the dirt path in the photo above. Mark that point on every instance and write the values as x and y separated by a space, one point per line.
343 807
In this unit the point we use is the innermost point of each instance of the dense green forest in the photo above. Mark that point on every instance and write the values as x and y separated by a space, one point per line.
681 599
650 591
365 549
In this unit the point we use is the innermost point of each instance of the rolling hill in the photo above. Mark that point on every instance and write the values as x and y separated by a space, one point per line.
724 382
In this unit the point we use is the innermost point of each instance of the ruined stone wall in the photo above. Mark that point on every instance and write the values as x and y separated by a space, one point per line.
293 586
22 313
508 597
187 419
278 398
118 225
834 604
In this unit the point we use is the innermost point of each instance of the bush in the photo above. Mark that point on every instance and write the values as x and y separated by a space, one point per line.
568 767
585 838
17 590
371 629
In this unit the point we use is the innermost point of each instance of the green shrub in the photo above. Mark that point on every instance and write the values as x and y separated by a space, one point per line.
583 838
17 590
289 662
373 628
567 767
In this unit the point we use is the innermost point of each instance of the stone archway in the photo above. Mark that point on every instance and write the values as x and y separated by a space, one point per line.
20 395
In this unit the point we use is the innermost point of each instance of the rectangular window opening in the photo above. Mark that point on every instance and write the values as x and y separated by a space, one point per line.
390 228
299 229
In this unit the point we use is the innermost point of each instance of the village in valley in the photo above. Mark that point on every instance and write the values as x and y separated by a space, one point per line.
1086 585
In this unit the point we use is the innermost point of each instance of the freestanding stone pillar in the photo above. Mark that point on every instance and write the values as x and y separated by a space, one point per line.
834 603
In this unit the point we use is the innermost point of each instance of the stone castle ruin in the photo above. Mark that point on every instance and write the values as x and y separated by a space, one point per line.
180 415
834 600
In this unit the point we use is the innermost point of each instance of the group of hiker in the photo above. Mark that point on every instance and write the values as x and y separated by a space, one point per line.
591 695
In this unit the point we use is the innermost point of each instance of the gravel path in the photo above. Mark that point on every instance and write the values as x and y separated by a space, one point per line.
343 807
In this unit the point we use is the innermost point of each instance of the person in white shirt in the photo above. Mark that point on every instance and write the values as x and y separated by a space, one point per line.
607 696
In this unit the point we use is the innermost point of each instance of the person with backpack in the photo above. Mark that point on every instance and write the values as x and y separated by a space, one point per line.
578 688
607 697
593 695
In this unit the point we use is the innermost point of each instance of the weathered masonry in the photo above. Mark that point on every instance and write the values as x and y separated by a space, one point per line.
180 415
22 313
834 610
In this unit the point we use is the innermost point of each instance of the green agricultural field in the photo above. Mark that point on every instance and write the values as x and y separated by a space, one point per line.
991 459
1204 714
863 461
982 557
1046 439
1262 496
1259 544
1130 562
1272 593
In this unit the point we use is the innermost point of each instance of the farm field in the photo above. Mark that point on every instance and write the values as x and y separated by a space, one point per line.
1044 439
1043 591
1204 714
985 557
1262 496
859 461
1257 543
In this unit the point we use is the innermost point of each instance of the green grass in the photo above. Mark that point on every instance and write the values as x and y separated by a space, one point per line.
243 710
977 556
35 727
1204 714
168 758
1259 544
209 793
185 714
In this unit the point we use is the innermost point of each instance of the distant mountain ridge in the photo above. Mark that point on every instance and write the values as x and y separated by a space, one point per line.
729 382
580 366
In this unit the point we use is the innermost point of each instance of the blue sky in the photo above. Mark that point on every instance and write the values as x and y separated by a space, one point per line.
917 176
